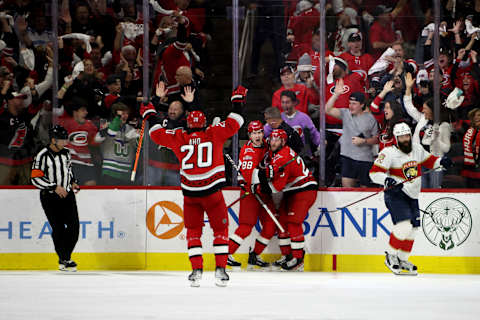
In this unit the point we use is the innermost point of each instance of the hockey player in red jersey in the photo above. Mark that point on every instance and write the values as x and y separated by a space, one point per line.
250 208
287 173
199 150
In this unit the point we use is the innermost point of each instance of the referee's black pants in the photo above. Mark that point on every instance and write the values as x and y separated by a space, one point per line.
62 215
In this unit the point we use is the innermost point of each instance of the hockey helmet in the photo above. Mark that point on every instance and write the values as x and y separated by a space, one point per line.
400 129
196 119
58 132
279 134
254 126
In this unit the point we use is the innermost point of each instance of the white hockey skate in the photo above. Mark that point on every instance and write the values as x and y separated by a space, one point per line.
392 262
221 277
408 268
195 278
255 263
67 265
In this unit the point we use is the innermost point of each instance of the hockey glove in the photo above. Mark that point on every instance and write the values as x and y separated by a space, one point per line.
446 162
391 186
239 94
147 110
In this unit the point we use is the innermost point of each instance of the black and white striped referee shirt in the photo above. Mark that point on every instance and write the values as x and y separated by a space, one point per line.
52 168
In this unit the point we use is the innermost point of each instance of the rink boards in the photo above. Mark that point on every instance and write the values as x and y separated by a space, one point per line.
140 229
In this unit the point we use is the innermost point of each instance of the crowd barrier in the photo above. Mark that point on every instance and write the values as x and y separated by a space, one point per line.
142 229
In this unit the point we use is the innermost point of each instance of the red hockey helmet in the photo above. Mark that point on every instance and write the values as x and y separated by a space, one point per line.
255 125
196 119
279 134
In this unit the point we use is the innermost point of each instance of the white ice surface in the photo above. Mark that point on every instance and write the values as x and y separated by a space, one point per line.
249 295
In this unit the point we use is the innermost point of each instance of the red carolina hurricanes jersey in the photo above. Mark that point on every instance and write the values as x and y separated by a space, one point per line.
361 63
249 158
200 153
352 82
295 176
80 136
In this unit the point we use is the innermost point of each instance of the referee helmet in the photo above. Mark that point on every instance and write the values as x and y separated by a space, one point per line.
58 132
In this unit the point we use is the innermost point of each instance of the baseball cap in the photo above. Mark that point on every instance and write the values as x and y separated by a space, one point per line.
357 96
15 95
356 36
381 9
286 68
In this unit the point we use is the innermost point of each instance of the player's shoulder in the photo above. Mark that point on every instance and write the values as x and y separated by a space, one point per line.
389 151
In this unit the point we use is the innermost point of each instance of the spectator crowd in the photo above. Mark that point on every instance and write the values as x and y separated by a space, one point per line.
378 63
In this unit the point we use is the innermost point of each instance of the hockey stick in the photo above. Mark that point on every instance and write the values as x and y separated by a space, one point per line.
382 190
139 148
262 203
239 198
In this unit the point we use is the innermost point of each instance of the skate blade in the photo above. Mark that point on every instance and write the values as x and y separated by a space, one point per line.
407 273
234 268
195 283
258 268
221 283
65 269
394 271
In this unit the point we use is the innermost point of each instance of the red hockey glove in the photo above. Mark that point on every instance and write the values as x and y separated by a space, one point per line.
147 110
239 94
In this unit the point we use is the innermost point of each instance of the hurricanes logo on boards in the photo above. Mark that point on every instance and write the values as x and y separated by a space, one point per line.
447 223
165 220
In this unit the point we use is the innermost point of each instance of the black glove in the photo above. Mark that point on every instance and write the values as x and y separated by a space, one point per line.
392 186
446 162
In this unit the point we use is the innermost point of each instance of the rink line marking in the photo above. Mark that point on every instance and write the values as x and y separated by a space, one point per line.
179 262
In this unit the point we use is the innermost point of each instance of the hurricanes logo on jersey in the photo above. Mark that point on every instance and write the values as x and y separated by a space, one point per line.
78 138
410 170
346 89
165 220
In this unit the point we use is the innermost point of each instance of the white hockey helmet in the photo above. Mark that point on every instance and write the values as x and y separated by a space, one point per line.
401 129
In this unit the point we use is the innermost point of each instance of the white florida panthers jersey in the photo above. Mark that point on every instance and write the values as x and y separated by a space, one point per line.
391 162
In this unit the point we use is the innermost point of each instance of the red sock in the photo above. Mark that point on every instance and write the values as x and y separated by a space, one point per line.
195 248
220 246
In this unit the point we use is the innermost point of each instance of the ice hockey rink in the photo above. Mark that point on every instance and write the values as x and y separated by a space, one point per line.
249 295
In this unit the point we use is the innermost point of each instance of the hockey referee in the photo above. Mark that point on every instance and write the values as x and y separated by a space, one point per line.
52 174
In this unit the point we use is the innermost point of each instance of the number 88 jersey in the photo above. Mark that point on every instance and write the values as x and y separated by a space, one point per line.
200 153
249 158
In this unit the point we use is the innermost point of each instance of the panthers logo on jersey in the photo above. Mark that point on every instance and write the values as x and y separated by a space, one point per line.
410 170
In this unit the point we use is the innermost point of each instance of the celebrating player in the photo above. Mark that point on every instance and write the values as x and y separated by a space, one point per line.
250 208
397 168
199 149
287 172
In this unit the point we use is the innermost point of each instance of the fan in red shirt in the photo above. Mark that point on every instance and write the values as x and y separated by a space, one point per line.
251 155
199 150
286 172
357 61
81 135
353 82
304 95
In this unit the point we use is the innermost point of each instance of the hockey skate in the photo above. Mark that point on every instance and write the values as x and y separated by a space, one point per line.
392 262
195 277
256 263
231 262
277 265
67 265
294 264
221 277
408 268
